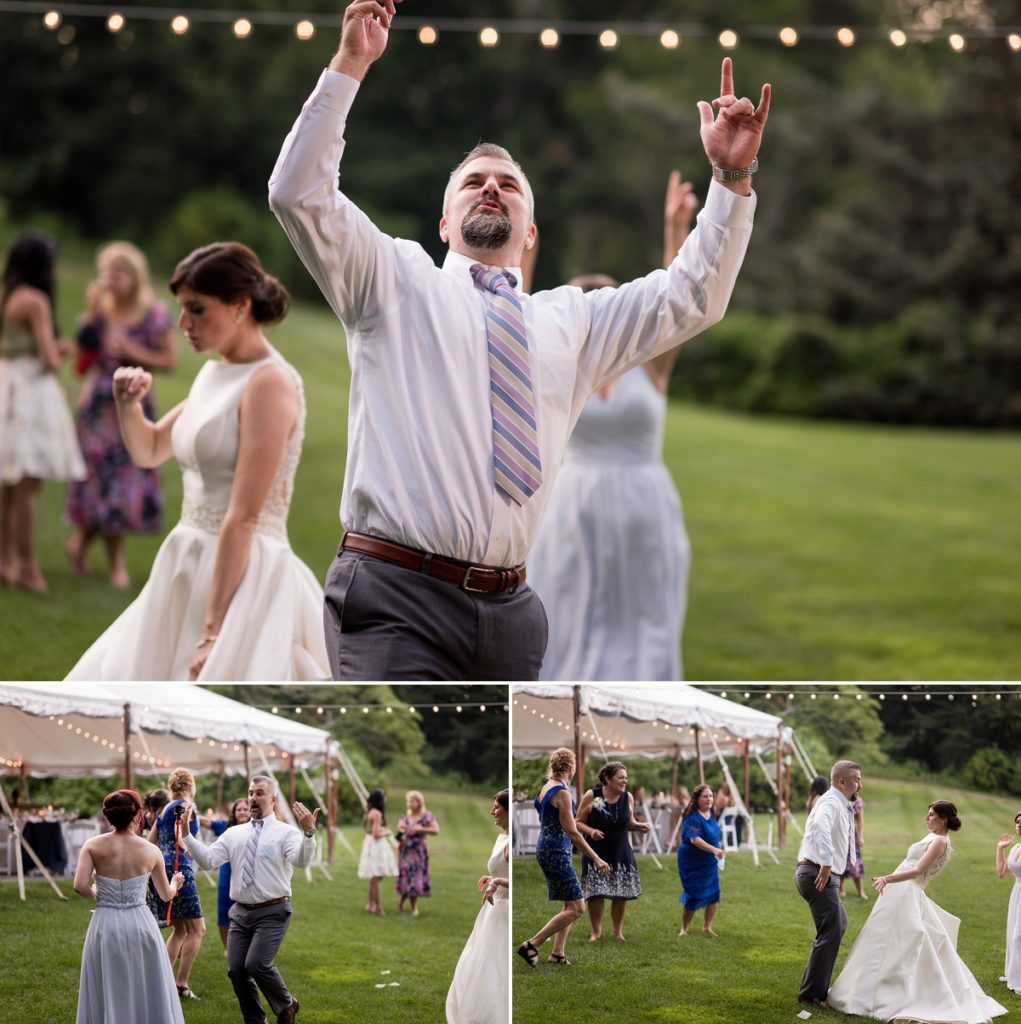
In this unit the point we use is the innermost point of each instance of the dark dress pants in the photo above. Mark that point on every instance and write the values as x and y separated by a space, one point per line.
252 944
830 925
386 622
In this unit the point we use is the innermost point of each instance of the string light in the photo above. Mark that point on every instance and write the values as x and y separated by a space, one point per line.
1014 41
52 20
608 39
304 30
179 25
549 38
728 39
845 36
489 36
898 38
427 35
789 36
242 28
115 22
669 39
956 42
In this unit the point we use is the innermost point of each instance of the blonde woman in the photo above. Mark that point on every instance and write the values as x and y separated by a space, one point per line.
185 910
557 831
412 853
123 325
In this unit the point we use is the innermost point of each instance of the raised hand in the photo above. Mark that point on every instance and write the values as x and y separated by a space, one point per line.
679 206
130 385
306 819
731 139
1005 840
364 36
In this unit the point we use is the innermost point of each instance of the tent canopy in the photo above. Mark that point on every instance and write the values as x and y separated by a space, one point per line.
639 720
77 729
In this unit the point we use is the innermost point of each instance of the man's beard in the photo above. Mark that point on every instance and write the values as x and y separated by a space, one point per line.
255 811
486 229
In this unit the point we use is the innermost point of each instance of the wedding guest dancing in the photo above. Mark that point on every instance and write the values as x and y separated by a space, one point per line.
37 439
557 831
377 858
611 559
606 817
262 855
227 598
184 912
123 325
480 989
904 963
413 853
464 390
825 847
125 976
1009 865
699 855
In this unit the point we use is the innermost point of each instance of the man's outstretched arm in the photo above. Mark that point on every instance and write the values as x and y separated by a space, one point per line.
363 37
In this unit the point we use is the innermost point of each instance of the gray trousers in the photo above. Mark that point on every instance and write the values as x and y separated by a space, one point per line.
830 924
252 944
386 622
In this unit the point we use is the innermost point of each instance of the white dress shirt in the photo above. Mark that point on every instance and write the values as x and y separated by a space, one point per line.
829 832
281 848
420 452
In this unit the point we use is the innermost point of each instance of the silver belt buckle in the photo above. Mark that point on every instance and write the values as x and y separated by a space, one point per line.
465 583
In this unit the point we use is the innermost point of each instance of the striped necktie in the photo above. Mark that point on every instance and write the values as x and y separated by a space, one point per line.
517 468
248 854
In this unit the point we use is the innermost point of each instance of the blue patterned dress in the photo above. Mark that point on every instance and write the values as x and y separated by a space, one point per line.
223 900
413 859
186 903
699 870
553 850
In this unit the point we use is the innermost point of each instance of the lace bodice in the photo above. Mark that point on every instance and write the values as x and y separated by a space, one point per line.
121 893
914 855
500 867
206 438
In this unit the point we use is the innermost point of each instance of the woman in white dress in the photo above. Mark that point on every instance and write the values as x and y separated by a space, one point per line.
479 992
227 598
1009 865
904 964
126 977
611 559
37 437
377 860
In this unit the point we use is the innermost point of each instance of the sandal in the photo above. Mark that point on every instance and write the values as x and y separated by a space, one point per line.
529 953
558 958
185 993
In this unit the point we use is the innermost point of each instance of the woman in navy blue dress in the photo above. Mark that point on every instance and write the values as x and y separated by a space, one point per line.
238 816
185 910
557 831
698 858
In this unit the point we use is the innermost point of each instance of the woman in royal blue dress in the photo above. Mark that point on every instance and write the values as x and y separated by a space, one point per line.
557 830
185 909
698 859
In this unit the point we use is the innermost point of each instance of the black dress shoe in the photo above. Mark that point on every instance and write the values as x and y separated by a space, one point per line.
287 1015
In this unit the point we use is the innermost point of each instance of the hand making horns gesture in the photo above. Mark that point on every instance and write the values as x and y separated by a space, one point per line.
731 138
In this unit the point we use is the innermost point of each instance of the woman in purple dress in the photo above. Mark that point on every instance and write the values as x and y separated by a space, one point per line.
123 326
412 853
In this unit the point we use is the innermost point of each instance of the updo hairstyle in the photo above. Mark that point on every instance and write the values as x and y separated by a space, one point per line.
121 807
230 272
180 781
948 812
610 769
561 762
503 798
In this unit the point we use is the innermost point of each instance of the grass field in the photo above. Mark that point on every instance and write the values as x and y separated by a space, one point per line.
821 551
751 973
333 956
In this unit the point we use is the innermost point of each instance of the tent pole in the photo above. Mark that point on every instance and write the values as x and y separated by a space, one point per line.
219 786
23 843
331 807
779 788
698 755
293 788
579 779
128 775
248 760
747 782
23 784
579 786
674 769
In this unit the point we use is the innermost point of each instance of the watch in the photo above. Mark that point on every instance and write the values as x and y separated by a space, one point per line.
735 173
310 834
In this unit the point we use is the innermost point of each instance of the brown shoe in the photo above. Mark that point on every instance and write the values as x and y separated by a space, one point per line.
287 1015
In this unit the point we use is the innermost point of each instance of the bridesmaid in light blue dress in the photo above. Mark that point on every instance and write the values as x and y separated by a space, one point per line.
126 976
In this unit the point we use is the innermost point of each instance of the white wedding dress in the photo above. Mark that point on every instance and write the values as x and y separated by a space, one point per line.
273 628
1012 965
904 964
479 992
126 976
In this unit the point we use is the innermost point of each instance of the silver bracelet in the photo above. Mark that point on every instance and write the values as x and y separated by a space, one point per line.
207 640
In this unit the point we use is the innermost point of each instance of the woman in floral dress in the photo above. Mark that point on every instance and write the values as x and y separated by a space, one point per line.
123 326
412 853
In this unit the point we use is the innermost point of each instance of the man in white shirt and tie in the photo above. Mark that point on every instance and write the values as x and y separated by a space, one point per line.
464 390
262 855
822 859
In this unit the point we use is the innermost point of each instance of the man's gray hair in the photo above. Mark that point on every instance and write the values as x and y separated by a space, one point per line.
842 770
271 784
490 149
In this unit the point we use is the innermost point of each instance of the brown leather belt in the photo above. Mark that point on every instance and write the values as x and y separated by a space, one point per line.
268 903
476 579
809 863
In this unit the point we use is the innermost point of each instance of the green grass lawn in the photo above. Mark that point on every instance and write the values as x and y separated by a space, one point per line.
821 551
751 973
332 958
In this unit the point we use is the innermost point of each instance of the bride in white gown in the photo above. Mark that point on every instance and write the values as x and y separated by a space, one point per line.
480 990
227 598
126 976
904 964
